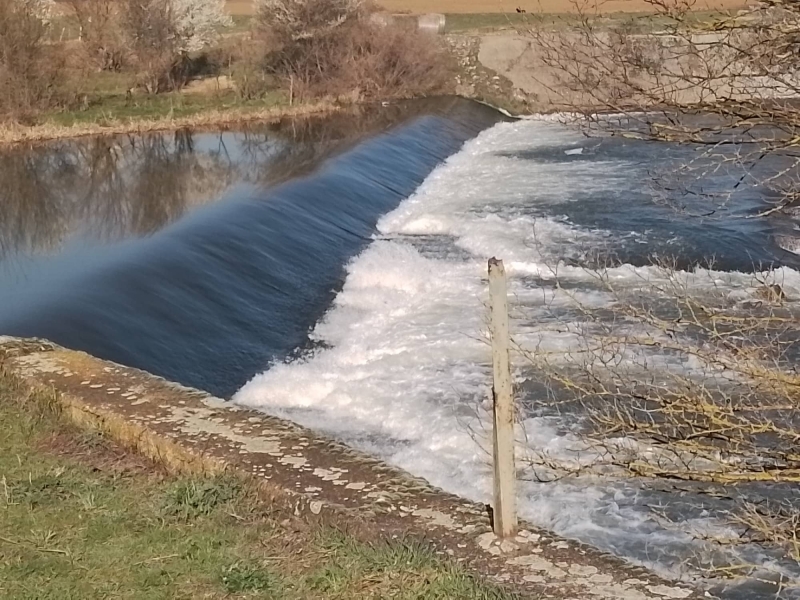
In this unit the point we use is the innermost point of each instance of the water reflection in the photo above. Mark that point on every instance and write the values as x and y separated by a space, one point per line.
106 189
100 255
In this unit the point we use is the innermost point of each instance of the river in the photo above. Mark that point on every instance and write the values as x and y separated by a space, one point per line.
332 271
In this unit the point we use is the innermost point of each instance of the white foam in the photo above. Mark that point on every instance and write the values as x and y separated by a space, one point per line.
405 372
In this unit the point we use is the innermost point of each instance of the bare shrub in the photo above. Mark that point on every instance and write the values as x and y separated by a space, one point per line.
676 379
716 81
157 38
393 61
245 66
326 48
29 74
150 30
707 380
101 33
729 86
295 20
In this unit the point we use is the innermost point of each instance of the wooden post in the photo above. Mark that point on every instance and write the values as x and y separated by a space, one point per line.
504 509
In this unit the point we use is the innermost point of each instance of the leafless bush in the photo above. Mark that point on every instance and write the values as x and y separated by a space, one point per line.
29 75
292 20
726 82
389 60
707 380
156 38
149 27
676 378
246 67
327 48
101 33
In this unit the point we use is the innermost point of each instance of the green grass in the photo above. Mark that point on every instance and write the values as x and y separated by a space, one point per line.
457 22
642 22
80 519
114 106
239 24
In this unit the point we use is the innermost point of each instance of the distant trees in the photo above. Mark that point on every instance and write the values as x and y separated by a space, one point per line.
28 73
332 48
155 37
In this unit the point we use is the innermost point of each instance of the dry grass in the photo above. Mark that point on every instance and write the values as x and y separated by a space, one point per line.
14 134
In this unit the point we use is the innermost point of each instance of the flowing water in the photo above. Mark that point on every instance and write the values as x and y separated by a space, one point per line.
106 250
333 272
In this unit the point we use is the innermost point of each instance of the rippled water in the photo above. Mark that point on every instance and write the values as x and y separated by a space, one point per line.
337 268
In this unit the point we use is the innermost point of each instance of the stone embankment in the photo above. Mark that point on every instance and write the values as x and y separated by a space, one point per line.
190 431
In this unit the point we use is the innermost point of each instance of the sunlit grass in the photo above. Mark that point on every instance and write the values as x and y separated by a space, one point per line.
82 519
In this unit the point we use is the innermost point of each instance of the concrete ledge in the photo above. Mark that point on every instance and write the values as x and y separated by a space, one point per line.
190 431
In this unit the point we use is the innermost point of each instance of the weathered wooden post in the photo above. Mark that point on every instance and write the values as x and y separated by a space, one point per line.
504 509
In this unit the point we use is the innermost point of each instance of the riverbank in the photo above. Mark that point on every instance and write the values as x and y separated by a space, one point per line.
82 517
203 116
306 478
493 59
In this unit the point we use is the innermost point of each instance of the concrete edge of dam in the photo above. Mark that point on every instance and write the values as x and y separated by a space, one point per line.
191 432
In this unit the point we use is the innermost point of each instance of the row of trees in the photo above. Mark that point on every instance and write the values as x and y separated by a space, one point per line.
312 47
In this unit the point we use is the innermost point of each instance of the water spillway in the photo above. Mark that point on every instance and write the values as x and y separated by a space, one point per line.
209 299
333 272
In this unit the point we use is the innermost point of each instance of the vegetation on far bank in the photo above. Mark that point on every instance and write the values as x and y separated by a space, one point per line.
77 67
648 21
83 518
115 61
202 114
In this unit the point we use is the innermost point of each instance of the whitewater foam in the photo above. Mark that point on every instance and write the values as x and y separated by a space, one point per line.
403 371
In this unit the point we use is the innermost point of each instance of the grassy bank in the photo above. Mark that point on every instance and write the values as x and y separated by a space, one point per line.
155 113
82 518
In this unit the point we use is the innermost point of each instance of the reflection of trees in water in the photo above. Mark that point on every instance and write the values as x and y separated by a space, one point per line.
294 147
105 188
111 188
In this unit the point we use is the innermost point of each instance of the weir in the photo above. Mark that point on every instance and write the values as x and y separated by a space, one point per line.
332 274
212 299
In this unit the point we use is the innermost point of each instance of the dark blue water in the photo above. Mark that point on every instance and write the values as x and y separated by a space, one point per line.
215 294
684 206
